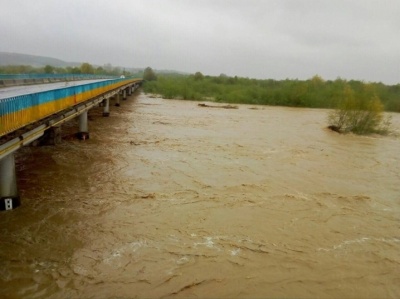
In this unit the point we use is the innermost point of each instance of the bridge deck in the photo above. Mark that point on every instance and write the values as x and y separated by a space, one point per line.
21 106
14 91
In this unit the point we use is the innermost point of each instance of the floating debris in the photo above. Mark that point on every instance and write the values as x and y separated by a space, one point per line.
217 106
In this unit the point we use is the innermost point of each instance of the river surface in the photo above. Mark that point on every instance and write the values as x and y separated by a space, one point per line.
169 199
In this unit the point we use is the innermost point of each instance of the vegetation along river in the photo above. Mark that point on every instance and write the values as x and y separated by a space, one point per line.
170 199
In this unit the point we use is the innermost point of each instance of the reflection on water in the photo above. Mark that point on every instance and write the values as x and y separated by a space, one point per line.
168 199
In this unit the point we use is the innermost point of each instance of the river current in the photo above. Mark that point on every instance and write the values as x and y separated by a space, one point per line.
170 199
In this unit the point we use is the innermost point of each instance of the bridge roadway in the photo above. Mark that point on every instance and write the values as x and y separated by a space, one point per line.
28 113
14 91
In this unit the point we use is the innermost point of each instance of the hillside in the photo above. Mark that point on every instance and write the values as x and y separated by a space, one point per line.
7 58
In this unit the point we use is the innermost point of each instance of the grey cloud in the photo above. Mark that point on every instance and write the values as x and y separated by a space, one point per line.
263 39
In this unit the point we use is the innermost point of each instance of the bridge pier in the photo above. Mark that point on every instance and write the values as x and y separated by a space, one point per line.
51 136
117 99
124 95
106 111
9 198
83 133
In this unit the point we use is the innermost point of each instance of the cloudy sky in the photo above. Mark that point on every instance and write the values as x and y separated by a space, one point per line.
351 39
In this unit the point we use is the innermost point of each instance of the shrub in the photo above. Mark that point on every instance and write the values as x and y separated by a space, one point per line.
149 74
360 113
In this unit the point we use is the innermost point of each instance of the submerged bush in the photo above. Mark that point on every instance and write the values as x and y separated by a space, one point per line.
360 113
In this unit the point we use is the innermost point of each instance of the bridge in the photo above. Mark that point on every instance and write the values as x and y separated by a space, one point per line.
31 108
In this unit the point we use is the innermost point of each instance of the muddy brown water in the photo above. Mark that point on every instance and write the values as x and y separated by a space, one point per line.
168 199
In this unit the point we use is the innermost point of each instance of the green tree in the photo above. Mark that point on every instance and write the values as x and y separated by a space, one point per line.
76 70
317 80
87 68
198 76
100 71
48 69
149 74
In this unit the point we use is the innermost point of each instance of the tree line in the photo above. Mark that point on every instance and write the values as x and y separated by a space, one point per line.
314 92
84 68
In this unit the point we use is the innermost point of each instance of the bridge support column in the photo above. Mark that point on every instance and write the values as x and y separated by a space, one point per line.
124 94
9 198
52 136
106 111
117 99
129 90
83 133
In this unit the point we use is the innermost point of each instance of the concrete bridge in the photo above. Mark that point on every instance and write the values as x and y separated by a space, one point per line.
28 113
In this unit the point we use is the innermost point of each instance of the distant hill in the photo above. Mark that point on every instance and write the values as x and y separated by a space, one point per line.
7 58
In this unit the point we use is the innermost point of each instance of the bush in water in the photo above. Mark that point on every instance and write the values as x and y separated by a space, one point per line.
360 113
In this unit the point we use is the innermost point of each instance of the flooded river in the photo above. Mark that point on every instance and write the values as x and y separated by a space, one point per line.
169 199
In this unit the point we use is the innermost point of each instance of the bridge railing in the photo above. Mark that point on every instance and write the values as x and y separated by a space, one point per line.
54 76
20 111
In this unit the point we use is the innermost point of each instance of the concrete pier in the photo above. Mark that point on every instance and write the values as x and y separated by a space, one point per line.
124 97
83 133
117 99
106 104
9 198
52 136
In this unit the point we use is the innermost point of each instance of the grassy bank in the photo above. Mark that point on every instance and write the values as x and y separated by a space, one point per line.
314 93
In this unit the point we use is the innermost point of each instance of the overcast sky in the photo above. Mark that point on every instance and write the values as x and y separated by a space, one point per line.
351 39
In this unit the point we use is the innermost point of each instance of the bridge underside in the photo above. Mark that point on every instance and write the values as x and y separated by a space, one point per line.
9 144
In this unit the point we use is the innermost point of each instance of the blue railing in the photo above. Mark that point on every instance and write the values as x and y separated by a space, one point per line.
54 76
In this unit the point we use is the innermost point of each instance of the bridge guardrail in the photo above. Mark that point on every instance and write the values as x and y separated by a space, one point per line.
54 76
